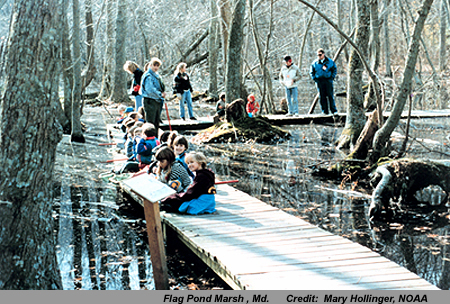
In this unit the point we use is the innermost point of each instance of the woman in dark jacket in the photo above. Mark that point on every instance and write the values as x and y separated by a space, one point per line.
182 87
133 69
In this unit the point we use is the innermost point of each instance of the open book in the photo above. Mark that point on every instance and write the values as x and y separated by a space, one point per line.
148 187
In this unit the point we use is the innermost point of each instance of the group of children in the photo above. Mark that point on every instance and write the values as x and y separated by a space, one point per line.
166 159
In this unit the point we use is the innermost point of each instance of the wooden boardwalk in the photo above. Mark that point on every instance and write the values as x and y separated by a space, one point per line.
279 120
252 245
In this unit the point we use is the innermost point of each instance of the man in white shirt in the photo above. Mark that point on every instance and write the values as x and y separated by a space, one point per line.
289 76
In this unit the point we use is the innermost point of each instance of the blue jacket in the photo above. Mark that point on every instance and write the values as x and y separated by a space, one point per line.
144 149
325 70
152 86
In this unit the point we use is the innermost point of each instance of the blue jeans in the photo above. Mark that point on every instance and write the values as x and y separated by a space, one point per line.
325 89
137 102
186 97
292 106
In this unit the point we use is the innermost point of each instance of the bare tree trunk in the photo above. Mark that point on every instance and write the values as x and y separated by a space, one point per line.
89 72
443 94
29 135
374 51
233 79
139 15
213 47
67 71
108 63
225 23
382 135
356 117
119 90
387 42
262 58
77 133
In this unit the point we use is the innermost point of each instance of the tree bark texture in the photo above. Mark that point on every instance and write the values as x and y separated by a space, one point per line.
119 91
355 98
387 42
213 49
108 63
233 79
89 71
382 136
77 133
225 23
29 135
67 72
262 56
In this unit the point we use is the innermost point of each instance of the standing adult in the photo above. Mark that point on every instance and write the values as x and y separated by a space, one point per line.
152 90
133 69
182 87
289 76
323 71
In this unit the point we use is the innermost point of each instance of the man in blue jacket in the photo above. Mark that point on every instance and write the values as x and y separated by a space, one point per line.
323 71
152 90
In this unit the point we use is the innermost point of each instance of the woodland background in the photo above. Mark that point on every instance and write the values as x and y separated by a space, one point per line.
53 52
177 31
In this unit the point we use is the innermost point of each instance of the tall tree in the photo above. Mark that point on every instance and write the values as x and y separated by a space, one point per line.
355 98
29 134
233 78
88 72
67 73
119 89
108 59
263 55
77 133
213 50
383 134
387 42
225 22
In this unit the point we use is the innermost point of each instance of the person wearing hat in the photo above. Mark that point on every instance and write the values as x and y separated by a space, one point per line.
124 113
289 76
252 105
323 71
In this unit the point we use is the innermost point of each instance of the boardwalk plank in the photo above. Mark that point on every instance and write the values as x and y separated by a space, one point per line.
252 245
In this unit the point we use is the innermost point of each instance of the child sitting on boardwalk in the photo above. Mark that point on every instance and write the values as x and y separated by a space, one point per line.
180 146
146 144
199 197
171 172
252 106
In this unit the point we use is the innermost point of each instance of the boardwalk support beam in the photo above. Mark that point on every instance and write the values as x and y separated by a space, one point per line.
156 244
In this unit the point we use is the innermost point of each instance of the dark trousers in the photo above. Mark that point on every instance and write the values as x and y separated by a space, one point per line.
325 89
152 108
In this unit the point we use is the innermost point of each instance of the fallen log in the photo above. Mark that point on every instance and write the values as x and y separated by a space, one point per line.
399 182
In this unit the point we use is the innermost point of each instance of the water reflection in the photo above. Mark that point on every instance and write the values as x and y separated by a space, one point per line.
97 247
280 175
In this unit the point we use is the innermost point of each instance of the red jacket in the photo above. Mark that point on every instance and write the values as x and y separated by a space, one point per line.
252 107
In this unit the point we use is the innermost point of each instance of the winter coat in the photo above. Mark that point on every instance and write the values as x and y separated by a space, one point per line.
289 76
181 83
203 184
325 70
252 107
152 86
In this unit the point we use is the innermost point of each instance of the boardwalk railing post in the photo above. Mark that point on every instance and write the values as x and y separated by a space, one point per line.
156 243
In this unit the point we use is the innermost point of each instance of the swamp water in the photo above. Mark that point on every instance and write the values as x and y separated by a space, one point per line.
102 242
